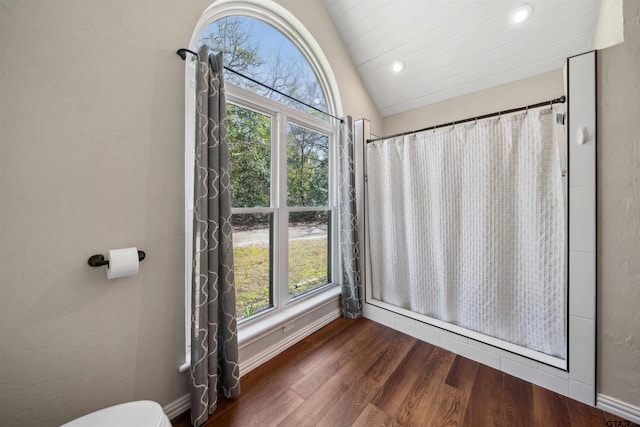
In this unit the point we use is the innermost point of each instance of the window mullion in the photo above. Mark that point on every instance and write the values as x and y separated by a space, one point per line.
235 211
281 284
333 203
309 208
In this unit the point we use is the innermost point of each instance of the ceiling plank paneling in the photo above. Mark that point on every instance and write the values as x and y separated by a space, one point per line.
490 57
452 48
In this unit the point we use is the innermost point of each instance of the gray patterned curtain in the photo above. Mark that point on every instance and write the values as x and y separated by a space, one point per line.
349 251
214 339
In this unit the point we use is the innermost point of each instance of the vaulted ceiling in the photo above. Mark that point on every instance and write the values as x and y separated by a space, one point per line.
452 48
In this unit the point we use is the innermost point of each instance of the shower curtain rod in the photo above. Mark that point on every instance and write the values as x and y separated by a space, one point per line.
560 100
183 54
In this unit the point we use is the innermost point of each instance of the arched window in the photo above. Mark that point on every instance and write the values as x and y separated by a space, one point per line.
281 157
258 50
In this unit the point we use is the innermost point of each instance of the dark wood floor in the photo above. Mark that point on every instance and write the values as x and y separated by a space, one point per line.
360 373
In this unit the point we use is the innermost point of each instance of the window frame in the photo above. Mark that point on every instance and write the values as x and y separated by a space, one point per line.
281 116
285 22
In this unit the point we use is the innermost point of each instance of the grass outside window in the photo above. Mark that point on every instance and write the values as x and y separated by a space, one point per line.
252 272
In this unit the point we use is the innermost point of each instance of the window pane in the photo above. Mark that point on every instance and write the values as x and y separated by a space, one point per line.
256 49
309 248
250 157
253 260
307 167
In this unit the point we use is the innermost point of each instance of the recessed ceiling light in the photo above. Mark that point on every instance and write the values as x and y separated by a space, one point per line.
398 66
522 14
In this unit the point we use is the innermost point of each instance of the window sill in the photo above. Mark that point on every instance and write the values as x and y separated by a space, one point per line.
249 333
254 331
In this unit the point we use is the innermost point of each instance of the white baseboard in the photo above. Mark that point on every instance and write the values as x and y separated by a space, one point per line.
271 352
178 406
182 404
616 407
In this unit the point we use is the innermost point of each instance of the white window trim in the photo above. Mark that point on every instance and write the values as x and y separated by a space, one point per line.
288 24
282 115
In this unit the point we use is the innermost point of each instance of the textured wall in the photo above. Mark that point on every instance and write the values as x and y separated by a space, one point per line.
619 213
91 158
609 26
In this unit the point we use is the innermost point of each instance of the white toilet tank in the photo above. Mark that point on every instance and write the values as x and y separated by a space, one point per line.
143 413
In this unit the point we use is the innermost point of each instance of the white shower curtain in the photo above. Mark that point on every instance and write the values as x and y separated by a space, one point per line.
467 225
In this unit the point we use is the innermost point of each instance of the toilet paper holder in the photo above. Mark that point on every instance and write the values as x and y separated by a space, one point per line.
99 261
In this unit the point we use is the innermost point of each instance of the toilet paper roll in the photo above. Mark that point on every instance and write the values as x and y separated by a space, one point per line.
122 263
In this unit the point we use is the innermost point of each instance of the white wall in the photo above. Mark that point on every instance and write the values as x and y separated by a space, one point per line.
91 158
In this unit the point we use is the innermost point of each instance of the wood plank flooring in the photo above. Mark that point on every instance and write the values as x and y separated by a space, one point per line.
361 373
